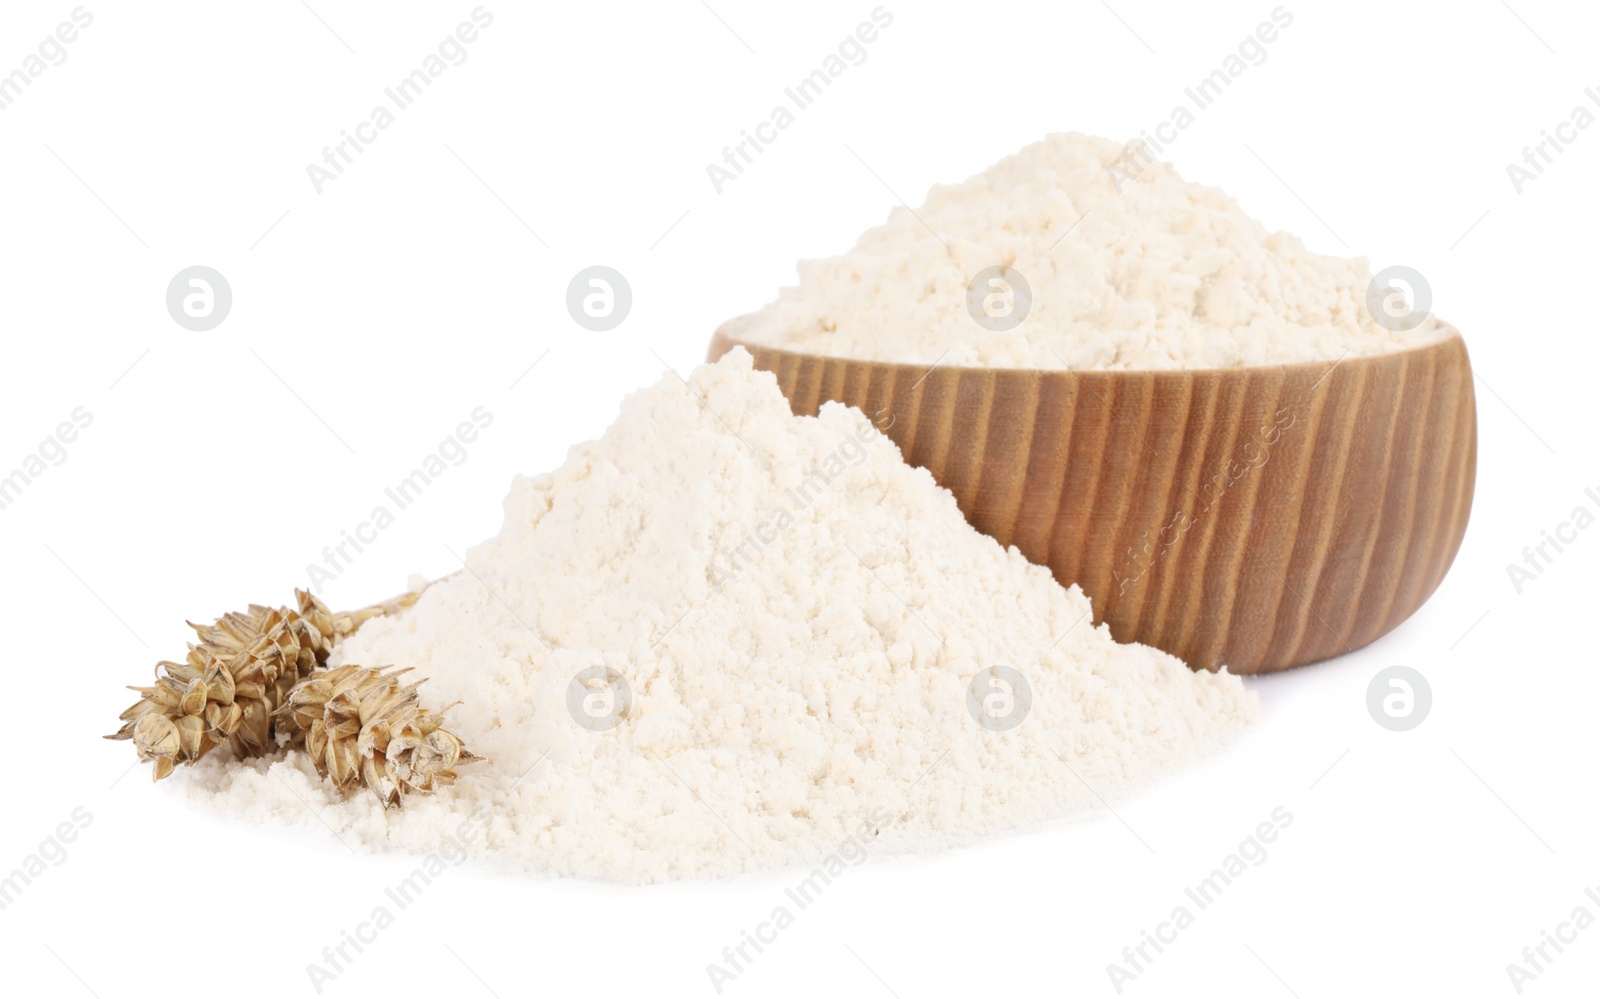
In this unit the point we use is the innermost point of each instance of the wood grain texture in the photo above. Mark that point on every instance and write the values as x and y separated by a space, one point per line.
1258 518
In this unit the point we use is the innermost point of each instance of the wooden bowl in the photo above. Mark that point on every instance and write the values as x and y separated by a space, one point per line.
1258 518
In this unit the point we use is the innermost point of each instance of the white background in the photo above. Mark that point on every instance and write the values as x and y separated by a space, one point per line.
372 318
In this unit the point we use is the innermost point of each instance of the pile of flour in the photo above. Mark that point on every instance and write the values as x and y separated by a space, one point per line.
1161 274
796 616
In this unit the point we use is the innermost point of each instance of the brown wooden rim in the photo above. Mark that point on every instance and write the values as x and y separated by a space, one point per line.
1451 341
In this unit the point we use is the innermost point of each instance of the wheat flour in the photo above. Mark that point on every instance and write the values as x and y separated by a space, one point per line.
797 615
1159 274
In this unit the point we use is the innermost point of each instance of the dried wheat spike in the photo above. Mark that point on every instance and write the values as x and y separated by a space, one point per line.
230 686
363 728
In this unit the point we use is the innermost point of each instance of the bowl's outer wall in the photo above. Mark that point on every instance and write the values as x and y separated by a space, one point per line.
1258 518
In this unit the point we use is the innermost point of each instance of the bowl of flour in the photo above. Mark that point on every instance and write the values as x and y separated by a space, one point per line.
1246 453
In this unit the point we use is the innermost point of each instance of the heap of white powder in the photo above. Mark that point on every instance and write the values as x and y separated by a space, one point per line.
796 616
1129 266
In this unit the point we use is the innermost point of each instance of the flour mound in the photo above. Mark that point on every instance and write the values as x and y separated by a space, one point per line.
1163 274
797 614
